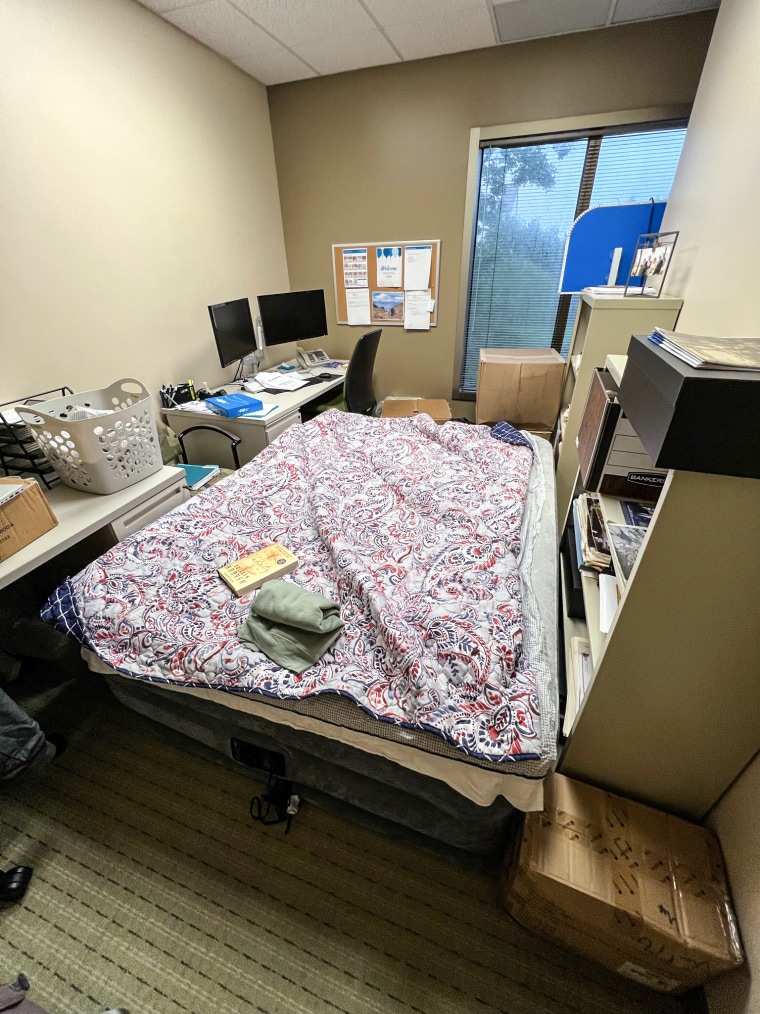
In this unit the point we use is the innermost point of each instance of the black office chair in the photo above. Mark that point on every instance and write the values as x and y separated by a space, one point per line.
234 441
359 390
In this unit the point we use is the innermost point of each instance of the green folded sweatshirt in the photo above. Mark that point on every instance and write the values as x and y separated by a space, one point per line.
292 626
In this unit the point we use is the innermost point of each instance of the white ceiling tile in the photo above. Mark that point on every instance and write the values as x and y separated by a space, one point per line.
275 66
534 19
222 28
348 52
396 12
164 6
300 22
638 10
288 40
454 33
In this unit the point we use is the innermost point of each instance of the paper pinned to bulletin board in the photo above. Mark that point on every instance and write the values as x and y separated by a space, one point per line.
392 284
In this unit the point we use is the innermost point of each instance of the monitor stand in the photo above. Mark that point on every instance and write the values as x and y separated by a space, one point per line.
248 366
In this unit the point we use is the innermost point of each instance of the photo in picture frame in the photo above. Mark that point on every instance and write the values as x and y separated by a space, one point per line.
651 260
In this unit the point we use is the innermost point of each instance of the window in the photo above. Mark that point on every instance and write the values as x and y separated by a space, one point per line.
528 196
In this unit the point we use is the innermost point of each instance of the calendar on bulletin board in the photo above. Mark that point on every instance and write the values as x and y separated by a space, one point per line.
391 284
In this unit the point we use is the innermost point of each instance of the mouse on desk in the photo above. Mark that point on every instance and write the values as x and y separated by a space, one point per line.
326 376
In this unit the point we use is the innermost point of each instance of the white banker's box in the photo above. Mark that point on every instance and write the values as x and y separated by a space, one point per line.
612 459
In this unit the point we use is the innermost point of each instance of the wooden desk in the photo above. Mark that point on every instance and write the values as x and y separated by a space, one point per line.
256 434
80 514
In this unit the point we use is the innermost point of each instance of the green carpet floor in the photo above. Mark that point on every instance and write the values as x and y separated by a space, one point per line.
153 890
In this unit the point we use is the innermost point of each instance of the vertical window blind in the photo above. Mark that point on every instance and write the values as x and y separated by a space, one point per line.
528 197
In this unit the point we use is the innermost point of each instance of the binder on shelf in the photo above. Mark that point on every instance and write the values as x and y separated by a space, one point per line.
612 459
572 575
597 428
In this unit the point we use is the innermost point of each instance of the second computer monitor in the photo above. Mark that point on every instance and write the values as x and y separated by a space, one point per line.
293 316
233 330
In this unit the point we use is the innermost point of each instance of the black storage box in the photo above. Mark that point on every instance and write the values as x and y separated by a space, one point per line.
694 420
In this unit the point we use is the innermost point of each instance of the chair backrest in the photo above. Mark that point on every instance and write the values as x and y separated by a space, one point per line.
359 390
207 427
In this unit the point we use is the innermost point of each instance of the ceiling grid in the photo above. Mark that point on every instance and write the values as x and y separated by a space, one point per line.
276 41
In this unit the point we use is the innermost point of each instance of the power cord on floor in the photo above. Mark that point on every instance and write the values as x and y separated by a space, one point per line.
279 804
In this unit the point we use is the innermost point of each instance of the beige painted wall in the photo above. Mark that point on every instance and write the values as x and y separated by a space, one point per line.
138 186
381 154
736 823
714 205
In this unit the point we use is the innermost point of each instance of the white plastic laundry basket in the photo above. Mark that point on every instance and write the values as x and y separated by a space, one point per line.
98 441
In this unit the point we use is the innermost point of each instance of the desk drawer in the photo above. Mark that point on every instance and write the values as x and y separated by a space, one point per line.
155 507
281 425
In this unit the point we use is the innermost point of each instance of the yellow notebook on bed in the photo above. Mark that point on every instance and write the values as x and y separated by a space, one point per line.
250 572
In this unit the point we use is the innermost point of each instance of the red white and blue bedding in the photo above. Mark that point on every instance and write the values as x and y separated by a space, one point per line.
418 531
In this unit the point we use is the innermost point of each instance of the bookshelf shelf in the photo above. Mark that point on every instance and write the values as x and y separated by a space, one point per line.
573 628
670 715
596 638
603 327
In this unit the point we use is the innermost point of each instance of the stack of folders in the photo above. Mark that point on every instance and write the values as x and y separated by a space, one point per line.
593 548
591 539
704 353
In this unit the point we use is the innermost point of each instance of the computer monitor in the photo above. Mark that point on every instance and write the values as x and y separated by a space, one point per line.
293 316
233 330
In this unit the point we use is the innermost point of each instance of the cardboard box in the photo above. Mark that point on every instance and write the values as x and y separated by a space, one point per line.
640 891
695 420
436 408
538 429
519 386
24 518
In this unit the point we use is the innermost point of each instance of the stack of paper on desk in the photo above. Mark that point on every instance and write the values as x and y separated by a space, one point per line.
281 381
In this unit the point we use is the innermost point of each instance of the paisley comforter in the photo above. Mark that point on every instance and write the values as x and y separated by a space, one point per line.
418 531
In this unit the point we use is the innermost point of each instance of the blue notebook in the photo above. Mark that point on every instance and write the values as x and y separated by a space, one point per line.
198 475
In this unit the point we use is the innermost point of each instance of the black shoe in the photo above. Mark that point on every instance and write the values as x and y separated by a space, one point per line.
58 741
14 883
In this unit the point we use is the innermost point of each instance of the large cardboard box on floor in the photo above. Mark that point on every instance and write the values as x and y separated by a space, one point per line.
519 386
24 518
438 409
640 891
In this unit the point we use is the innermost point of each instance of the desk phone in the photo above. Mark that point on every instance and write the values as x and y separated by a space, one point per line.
318 357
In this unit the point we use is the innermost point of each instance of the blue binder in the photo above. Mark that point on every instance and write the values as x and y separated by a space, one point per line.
232 405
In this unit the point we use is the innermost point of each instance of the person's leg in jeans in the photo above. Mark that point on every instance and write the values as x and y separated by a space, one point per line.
22 746
22 741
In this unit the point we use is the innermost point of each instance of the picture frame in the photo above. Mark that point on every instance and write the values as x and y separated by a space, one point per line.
649 267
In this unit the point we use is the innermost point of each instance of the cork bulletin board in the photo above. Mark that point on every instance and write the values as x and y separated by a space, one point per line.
373 267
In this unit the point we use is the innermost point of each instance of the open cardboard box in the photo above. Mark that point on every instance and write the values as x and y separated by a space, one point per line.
438 409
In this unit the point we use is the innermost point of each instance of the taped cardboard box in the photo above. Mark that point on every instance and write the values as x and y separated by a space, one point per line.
640 891
438 409
519 386
23 518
